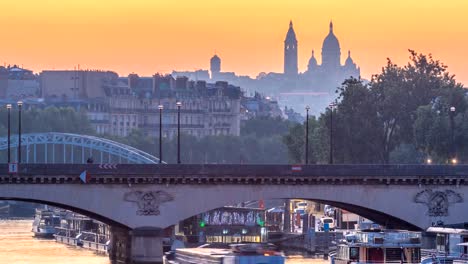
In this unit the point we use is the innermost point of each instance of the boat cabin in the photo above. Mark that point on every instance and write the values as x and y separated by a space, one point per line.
379 247
450 241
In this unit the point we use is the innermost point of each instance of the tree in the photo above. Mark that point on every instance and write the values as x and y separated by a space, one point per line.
295 142
355 124
384 117
265 126
400 91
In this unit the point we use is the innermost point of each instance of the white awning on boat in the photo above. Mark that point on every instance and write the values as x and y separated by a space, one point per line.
275 210
447 230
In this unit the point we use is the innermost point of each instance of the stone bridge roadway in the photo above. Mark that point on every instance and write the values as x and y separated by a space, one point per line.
147 198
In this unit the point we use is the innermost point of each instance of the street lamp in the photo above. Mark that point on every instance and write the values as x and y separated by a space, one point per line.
20 105
160 107
8 106
452 128
332 105
429 161
179 105
307 136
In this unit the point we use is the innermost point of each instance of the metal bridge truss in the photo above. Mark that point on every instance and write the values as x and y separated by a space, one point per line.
80 147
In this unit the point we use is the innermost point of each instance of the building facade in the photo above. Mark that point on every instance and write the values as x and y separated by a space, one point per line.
116 106
76 84
207 109
18 83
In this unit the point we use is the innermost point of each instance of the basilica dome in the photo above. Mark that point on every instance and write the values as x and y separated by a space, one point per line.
312 62
331 51
349 61
331 42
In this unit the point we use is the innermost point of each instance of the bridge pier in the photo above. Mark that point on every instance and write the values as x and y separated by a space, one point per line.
120 245
138 246
147 245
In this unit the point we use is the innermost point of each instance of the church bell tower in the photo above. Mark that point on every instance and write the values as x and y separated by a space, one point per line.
290 52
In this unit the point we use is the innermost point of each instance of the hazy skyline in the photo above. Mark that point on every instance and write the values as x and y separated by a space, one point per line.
147 36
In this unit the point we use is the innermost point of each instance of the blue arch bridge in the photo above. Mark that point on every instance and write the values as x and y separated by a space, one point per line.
55 147
140 200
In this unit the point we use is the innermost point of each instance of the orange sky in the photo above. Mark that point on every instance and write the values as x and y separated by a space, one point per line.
147 36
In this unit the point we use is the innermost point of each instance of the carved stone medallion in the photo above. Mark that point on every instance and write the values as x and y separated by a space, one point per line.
148 202
438 202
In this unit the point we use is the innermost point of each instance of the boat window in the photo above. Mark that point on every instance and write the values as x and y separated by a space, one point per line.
393 254
354 253
440 242
411 255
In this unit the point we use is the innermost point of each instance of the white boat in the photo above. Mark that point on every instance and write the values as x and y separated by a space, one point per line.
375 246
45 223
237 254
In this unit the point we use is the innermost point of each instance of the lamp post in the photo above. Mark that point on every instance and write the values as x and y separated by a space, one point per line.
20 105
179 105
307 136
8 106
452 128
332 105
160 107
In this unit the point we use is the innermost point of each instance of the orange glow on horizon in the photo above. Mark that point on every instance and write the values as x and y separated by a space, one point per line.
148 36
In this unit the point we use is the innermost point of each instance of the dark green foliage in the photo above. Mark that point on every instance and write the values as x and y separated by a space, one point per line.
401 115
51 119
260 143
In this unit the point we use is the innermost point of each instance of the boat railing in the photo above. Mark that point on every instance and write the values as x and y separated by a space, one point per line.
383 262
94 237
61 231
427 253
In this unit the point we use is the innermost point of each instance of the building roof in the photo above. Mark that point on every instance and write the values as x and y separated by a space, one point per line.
349 61
215 58
312 60
291 35
330 43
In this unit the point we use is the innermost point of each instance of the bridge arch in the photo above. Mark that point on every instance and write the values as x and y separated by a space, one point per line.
74 209
108 204
393 207
42 147
386 220
162 195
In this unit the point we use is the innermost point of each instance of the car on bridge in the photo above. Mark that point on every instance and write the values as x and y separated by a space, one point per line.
327 221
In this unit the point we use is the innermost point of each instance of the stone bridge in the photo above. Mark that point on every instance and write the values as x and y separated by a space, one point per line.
138 201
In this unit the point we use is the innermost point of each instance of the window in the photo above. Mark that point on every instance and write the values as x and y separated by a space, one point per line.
354 253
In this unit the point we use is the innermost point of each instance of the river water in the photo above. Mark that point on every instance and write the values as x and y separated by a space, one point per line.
17 246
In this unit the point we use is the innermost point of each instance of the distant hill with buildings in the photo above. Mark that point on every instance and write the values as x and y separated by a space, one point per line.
314 87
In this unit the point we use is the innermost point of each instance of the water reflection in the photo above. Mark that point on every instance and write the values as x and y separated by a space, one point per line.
17 245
